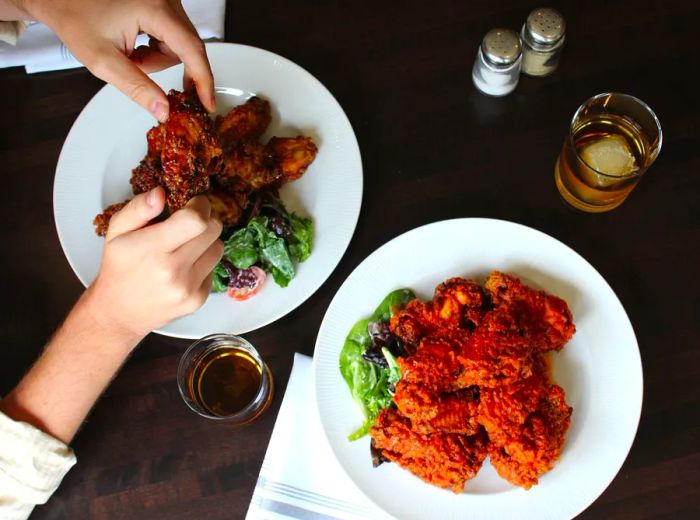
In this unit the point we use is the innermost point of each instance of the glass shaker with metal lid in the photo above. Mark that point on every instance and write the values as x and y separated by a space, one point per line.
542 38
497 67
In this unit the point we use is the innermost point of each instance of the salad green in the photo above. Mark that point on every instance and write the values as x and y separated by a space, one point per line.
273 239
367 362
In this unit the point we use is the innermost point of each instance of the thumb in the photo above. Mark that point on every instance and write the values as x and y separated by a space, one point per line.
115 68
137 213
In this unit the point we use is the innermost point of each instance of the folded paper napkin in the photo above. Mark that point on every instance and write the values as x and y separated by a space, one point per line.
40 50
300 477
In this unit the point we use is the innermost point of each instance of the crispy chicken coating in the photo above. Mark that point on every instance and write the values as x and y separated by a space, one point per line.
101 221
190 155
548 318
452 412
291 156
147 175
191 150
251 166
246 122
247 167
447 460
475 360
527 423
226 205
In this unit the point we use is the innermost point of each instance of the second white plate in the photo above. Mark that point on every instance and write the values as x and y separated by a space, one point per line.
600 369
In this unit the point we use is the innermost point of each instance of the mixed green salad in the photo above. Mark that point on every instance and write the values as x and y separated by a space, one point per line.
368 359
271 241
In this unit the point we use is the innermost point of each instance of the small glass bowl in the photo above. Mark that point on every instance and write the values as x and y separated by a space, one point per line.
201 350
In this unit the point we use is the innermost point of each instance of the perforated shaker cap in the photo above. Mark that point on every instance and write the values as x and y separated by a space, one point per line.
501 47
544 26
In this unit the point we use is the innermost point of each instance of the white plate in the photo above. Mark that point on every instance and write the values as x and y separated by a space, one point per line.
600 369
109 139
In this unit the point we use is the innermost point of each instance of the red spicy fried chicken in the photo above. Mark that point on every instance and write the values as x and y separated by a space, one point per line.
475 360
447 460
547 318
527 423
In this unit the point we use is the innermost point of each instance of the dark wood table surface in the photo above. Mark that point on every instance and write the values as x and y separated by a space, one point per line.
433 148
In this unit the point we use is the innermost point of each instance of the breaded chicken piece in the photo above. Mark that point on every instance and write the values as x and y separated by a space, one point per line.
291 156
246 122
498 352
191 150
447 460
547 318
251 166
147 175
527 423
247 167
458 305
101 221
453 412
226 205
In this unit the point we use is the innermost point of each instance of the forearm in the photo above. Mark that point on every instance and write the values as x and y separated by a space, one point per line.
80 360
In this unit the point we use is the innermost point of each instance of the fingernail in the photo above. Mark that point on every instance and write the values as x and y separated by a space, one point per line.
159 110
151 198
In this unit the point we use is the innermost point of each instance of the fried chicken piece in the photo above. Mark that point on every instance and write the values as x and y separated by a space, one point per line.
413 323
435 365
547 318
191 150
251 166
447 460
453 412
247 167
155 138
457 306
527 423
226 205
147 175
291 157
498 352
101 221
246 122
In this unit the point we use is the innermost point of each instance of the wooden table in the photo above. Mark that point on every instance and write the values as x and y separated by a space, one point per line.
433 148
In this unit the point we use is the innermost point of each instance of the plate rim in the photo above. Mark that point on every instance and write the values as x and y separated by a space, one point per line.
353 145
639 373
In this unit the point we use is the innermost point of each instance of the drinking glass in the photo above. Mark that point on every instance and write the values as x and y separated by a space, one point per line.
613 139
223 377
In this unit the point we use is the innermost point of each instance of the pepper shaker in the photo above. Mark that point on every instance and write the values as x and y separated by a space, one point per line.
497 67
542 38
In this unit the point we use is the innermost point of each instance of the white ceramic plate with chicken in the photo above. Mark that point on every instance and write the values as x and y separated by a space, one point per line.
109 139
599 369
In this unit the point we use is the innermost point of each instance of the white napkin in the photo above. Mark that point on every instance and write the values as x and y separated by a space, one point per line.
300 477
40 50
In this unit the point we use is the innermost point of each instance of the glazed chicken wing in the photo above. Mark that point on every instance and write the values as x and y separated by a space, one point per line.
227 205
251 166
191 150
246 122
101 221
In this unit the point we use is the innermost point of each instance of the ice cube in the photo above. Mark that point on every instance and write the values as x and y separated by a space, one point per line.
610 155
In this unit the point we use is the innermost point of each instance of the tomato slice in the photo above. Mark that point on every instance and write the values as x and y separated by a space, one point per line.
246 282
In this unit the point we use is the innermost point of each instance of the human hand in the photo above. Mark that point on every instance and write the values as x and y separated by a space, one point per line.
152 274
101 35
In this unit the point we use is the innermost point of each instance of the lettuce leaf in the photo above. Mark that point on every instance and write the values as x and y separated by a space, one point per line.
370 385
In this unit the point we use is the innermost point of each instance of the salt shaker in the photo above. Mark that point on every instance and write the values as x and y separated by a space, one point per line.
542 38
497 66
